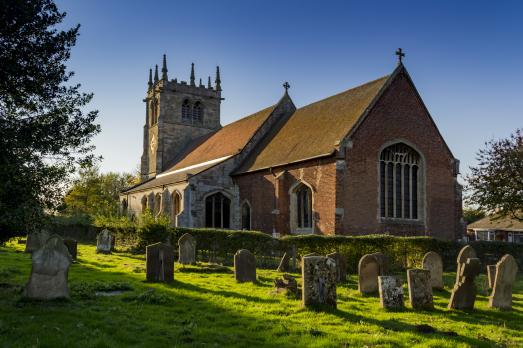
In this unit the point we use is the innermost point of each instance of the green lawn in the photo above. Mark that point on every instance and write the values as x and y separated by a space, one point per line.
206 307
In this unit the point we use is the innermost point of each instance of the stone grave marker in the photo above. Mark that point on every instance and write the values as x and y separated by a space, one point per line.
36 240
284 263
506 271
420 289
467 252
104 242
187 250
72 246
318 281
341 266
383 262
464 292
286 283
433 263
491 275
48 278
391 292
244 266
159 263
368 272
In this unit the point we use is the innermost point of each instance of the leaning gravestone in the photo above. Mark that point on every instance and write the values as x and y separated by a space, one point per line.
72 246
420 289
104 242
433 263
49 272
187 250
36 240
284 263
491 275
159 262
341 266
244 266
318 281
368 272
464 292
286 283
391 292
464 254
506 271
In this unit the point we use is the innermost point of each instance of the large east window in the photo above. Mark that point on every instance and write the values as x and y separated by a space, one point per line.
399 182
217 211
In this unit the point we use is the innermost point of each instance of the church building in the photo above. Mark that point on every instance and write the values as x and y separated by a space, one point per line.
369 160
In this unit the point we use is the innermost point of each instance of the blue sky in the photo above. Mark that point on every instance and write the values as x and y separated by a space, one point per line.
466 59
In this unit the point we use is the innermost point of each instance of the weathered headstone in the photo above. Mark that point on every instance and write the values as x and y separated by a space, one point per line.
36 240
49 272
491 275
284 263
187 250
506 271
368 272
104 242
72 246
391 292
159 262
341 266
383 262
244 266
286 283
318 281
420 289
433 263
467 252
464 292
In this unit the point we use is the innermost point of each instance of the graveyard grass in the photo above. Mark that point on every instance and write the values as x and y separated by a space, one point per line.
206 307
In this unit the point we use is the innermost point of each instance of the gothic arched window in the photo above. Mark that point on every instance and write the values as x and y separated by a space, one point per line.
144 204
124 207
186 110
177 203
399 182
197 112
303 215
157 204
217 211
246 216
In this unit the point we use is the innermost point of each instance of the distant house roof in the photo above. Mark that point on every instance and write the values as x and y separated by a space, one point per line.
209 150
315 130
497 223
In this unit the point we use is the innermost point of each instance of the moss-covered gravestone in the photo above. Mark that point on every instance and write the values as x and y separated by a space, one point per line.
187 250
49 272
159 262
433 263
464 292
104 242
506 271
318 281
368 272
341 266
36 240
244 266
391 292
420 289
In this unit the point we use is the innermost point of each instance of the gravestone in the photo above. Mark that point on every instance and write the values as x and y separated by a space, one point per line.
48 278
420 289
464 292
383 262
72 246
464 254
104 242
341 266
506 271
318 281
187 250
491 275
36 240
433 263
286 283
159 263
391 292
244 266
284 263
368 272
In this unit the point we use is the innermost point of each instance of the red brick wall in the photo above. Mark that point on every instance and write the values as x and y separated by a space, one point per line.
398 115
268 191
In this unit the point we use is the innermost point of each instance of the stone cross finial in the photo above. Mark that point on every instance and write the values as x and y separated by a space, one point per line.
400 54
286 86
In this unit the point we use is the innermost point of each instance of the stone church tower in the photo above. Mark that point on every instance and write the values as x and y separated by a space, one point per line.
176 113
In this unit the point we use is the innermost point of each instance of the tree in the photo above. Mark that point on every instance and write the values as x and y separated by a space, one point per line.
94 194
471 215
44 130
496 184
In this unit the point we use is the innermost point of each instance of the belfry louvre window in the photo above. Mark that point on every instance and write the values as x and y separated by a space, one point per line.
304 207
186 110
399 182
197 112
217 211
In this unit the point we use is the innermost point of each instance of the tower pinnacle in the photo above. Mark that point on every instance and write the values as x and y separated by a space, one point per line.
218 80
192 74
150 82
209 83
164 68
156 73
